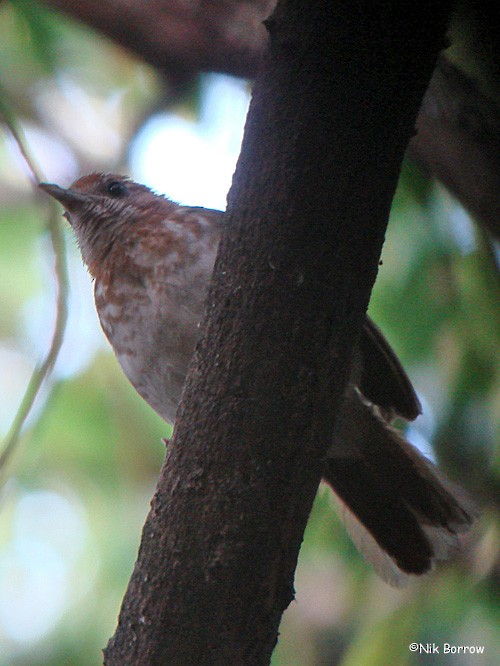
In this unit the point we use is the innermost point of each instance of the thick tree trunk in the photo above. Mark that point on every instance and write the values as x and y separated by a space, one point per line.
332 112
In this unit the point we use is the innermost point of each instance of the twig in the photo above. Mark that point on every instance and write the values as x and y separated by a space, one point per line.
42 371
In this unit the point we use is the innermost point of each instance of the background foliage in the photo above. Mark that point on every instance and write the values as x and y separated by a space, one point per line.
76 493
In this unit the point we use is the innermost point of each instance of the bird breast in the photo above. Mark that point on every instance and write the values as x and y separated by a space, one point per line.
150 298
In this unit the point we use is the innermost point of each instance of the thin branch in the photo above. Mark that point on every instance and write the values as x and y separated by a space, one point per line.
43 370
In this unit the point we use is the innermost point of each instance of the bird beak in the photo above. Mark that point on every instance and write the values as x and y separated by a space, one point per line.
70 199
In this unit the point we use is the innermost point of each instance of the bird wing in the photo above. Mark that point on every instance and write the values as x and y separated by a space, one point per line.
383 380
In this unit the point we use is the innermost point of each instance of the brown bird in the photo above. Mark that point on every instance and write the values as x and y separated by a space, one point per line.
152 261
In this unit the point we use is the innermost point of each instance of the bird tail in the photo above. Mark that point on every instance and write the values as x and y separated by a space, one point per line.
401 512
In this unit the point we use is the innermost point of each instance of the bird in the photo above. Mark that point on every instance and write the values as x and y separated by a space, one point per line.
151 261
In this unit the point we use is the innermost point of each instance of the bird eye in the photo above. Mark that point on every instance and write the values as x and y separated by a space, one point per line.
117 189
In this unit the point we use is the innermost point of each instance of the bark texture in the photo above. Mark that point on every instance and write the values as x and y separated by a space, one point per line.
332 112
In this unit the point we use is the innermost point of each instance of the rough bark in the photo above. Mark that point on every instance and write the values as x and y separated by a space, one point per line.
332 112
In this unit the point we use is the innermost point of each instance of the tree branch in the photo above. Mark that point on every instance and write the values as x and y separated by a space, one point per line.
332 111
458 126
458 141
181 37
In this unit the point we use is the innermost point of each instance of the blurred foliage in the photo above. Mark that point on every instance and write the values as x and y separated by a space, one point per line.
79 487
